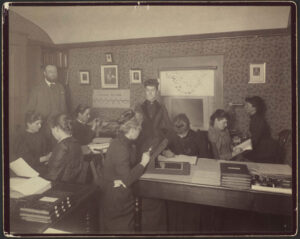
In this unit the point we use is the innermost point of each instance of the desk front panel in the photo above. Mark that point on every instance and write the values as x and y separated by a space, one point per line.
262 202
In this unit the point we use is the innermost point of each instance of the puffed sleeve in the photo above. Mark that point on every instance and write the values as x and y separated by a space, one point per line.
56 161
121 157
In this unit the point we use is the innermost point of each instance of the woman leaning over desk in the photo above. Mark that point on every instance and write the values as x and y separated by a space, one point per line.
120 170
219 136
65 162
83 130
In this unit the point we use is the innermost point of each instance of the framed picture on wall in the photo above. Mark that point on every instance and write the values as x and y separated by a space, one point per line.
84 77
109 76
257 73
135 76
108 57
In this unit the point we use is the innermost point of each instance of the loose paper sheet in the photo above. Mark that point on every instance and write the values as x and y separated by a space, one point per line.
22 169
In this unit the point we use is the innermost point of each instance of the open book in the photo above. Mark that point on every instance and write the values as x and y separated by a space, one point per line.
246 145
27 181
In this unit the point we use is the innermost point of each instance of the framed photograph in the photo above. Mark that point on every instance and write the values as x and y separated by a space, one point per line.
257 73
135 76
84 77
109 76
108 57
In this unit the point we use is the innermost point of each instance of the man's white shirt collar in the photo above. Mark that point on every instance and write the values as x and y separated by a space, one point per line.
49 83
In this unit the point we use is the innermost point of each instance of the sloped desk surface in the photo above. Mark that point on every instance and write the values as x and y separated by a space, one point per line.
82 193
202 186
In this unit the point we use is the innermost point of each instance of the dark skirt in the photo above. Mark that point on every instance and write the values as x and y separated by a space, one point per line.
117 211
154 216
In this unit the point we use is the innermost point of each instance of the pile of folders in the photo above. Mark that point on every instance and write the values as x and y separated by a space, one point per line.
46 208
234 175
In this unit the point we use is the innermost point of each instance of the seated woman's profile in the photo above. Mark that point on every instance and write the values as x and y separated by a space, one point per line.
65 162
83 130
219 136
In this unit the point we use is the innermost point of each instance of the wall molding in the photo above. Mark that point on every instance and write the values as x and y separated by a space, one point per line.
184 38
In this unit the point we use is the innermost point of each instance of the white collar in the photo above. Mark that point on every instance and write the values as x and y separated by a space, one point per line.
64 137
49 83
80 121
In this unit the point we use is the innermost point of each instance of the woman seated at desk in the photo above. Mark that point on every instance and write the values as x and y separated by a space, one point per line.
117 204
219 136
66 160
184 140
83 130
31 144
265 149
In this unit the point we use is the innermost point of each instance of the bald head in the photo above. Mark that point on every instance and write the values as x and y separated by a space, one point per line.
50 73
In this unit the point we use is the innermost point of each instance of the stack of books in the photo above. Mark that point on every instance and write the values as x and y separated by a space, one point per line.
234 175
47 208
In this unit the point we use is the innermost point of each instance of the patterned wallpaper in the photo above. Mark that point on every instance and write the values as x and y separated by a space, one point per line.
238 54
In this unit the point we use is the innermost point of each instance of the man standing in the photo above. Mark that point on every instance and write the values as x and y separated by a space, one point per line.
155 124
48 97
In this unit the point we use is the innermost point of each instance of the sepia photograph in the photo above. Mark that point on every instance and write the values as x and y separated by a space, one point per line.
84 77
135 76
109 76
202 144
257 73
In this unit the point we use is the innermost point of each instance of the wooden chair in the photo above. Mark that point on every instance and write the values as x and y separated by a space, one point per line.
284 141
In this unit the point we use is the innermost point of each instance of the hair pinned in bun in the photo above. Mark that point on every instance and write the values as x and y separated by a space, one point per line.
126 116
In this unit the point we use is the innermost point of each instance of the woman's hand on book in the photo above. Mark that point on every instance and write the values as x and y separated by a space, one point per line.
145 158
168 153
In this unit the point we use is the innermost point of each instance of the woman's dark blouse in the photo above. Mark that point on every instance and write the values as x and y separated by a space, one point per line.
265 149
193 144
66 161
30 147
120 162
82 132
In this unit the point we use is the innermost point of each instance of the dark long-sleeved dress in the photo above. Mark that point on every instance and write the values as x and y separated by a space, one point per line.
265 149
117 204
30 147
82 132
155 124
65 162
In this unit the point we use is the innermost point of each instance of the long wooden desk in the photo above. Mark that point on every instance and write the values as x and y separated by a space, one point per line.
181 189
82 194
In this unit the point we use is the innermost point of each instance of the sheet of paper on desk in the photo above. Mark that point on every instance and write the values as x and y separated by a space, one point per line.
29 186
208 172
179 158
205 172
22 169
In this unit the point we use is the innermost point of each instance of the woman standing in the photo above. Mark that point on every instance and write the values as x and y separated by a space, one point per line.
120 171
265 149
